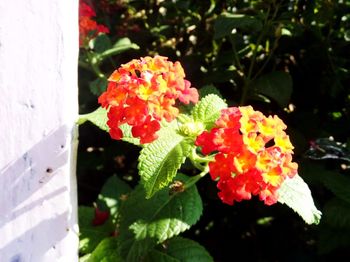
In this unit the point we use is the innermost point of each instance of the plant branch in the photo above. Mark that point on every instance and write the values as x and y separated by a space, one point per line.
247 80
267 60
235 56
191 181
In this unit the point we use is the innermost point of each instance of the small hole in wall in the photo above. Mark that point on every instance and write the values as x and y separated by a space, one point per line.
62 146
16 258
49 170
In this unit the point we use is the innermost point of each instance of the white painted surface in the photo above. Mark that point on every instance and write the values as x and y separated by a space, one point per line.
38 108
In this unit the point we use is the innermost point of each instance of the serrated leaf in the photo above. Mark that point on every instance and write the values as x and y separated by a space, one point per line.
106 251
226 22
147 222
296 194
276 85
180 249
208 110
159 161
90 235
111 191
127 135
98 86
336 213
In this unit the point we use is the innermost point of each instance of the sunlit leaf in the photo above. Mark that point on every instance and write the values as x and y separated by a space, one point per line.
148 222
90 235
99 118
112 190
208 110
106 251
296 194
159 161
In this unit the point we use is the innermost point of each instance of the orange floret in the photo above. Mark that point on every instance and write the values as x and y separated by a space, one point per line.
146 90
253 155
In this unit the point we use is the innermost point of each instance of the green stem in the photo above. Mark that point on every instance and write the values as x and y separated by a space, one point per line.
201 159
93 65
247 80
96 68
273 48
85 65
267 60
191 181
235 55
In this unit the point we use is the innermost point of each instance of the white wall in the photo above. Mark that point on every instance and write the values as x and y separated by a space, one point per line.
38 108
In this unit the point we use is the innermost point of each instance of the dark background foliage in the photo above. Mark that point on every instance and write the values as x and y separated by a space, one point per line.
289 58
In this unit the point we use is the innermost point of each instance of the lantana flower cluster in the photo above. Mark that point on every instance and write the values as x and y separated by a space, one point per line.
143 92
253 155
88 28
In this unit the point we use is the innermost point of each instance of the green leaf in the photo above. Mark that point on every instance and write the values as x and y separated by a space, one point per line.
335 182
179 249
106 251
296 194
98 118
98 86
209 89
159 256
160 160
111 191
336 213
91 235
101 43
208 110
226 22
276 85
120 46
127 135
85 258
331 239
147 222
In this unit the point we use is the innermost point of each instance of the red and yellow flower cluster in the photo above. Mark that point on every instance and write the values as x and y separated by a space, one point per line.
254 155
143 92
88 28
